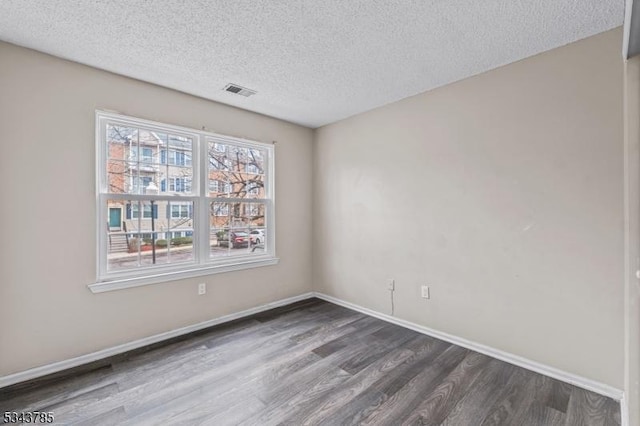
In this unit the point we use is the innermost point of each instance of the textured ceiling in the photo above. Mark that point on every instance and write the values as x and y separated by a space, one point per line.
312 62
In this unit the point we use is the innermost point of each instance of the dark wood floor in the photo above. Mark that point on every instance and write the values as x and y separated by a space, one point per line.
309 363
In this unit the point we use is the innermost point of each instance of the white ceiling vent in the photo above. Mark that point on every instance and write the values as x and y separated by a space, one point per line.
239 90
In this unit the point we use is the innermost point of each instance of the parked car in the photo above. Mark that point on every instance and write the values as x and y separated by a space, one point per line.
237 239
257 236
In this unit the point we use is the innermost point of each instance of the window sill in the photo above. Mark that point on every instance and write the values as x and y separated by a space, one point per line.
122 283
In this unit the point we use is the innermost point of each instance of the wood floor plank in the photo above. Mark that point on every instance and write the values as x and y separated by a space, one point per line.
514 403
114 417
280 406
613 414
297 382
71 404
234 414
558 397
53 393
586 408
399 406
438 404
357 410
424 355
538 414
380 343
324 407
496 379
307 363
330 326
363 328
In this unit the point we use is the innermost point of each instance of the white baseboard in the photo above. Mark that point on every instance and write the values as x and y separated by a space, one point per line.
545 370
44 370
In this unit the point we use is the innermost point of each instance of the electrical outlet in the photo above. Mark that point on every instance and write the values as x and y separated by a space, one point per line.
391 284
202 289
424 292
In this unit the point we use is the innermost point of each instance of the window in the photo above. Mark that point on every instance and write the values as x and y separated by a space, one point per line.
188 197
133 211
147 155
252 189
180 210
216 186
175 158
221 209
176 184
140 183
180 184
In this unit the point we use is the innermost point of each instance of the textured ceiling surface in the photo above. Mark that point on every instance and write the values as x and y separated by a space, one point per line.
312 62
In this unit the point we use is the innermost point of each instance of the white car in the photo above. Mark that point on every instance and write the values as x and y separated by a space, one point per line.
257 236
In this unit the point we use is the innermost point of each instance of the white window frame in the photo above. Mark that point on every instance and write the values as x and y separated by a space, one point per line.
202 264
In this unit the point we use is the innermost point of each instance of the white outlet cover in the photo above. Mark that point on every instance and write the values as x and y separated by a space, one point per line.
424 291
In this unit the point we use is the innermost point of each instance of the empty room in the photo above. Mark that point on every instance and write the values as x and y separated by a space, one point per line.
335 212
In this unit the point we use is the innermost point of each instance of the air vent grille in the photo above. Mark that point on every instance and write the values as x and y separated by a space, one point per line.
239 90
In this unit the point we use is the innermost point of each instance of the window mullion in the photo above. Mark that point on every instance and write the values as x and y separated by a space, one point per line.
203 205
102 236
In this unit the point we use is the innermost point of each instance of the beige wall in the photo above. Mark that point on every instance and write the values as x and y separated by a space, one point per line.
503 193
47 170
632 231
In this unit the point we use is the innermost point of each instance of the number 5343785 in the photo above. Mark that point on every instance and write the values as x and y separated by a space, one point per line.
28 417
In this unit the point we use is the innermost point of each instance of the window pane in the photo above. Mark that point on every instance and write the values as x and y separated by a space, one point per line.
219 186
220 222
255 161
173 237
237 215
237 228
131 234
122 235
238 171
120 176
219 158
137 157
236 185
119 140
238 157
220 214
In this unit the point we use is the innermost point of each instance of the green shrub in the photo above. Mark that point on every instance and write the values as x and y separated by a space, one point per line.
161 243
179 241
